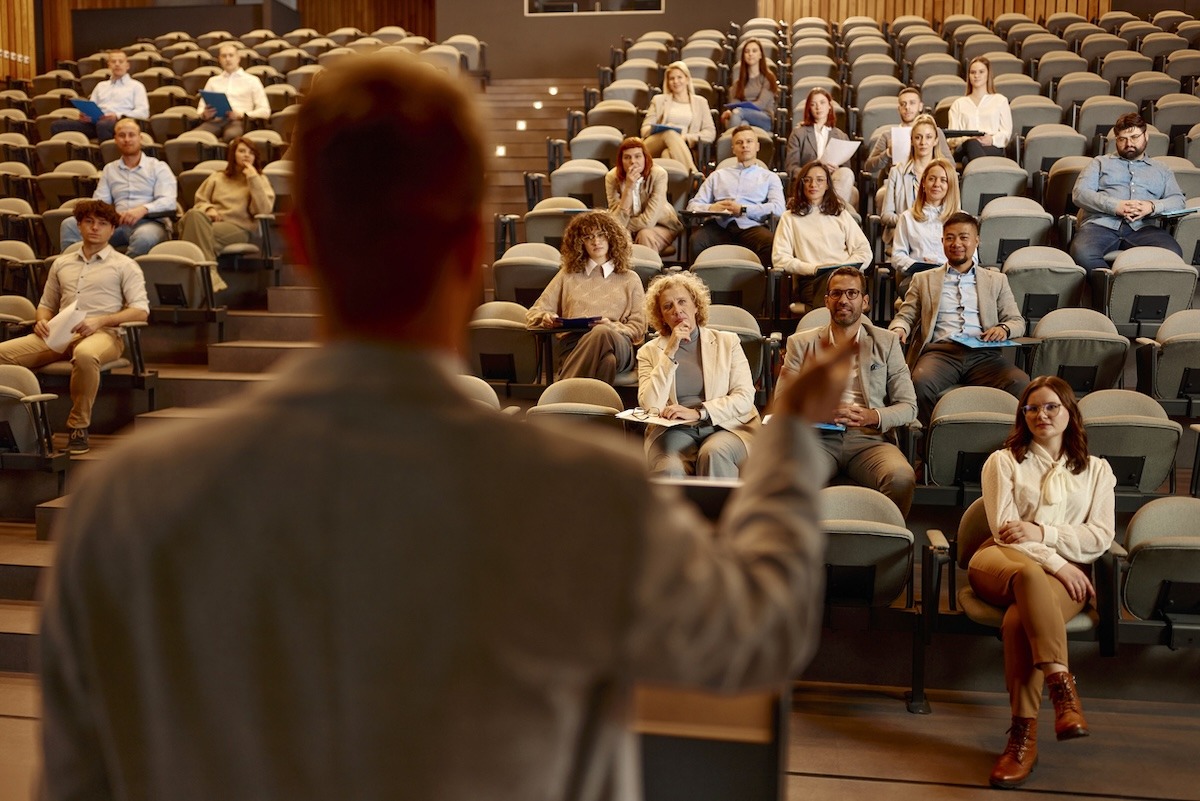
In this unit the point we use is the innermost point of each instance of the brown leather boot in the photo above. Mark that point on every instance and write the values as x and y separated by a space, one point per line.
1020 755
1068 716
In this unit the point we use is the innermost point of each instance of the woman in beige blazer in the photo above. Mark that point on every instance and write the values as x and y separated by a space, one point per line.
686 113
637 197
697 376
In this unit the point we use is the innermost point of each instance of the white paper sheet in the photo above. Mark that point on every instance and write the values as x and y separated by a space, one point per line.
901 144
61 325
839 151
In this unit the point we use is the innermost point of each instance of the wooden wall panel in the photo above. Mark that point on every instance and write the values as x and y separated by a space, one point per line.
18 39
935 10
415 16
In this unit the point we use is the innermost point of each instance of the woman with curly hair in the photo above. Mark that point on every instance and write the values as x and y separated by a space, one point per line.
817 233
1050 507
696 375
637 197
754 83
226 204
594 288
684 116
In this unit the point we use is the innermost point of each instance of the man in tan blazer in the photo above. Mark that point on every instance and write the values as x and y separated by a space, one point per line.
859 440
356 582
958 301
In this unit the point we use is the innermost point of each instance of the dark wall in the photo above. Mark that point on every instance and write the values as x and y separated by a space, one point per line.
96 29
567 45
1148 8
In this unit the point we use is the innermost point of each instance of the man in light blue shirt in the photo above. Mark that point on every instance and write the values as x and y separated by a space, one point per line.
748 192
1118 194
119 97
142 188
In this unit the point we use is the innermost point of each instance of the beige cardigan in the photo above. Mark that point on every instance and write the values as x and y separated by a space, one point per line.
237 199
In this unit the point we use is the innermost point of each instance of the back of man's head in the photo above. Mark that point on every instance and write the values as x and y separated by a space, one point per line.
389 164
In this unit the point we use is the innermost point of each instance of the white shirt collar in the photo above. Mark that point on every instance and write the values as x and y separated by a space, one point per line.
607 268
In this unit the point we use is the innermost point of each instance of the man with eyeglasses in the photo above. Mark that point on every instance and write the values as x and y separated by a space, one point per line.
1118 194
879 397
952 307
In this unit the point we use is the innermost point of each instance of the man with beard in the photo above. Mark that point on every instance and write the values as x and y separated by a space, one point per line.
878 398
955 302
1118 193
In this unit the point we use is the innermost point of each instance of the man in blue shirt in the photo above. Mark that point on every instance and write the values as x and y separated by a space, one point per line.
120 96
748 192
1118 193
142 188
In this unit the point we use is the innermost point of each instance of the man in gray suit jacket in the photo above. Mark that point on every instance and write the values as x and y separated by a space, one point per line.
859 440
358 583
954 304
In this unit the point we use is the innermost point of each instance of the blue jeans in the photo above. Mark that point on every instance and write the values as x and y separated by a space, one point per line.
751 116
140 238
1092 241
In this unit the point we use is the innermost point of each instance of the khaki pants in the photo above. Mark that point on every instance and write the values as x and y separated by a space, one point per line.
1035 623
86 355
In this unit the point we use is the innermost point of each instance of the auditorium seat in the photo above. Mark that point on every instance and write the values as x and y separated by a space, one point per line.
1043 279
1134 434
1168 365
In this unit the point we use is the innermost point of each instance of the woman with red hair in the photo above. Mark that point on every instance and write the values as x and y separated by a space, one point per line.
809 141
637 196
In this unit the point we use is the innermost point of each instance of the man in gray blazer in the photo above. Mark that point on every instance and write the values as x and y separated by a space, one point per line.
956 304
356 582
859 440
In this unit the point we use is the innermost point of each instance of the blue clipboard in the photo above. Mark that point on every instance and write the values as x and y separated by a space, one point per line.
87 107
219 101
657 128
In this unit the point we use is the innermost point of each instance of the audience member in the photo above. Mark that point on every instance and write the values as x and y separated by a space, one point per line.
817 233
959 300
1118 194
354 579
747 192
918 242
595 284
143 190
858 440
637 196
114 292
902 182
909 105
981 109
809 141
226 204
699 376
682 117
245 93
754 83
1050 506
118 97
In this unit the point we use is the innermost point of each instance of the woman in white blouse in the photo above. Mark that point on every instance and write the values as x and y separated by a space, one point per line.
817 233
1050 508
685 116
918 240
809 141
981 109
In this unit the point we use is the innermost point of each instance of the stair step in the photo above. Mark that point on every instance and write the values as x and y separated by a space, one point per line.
22 560
252 356
272 326
294 300
47 514
18 635
19 698
182 385
174 414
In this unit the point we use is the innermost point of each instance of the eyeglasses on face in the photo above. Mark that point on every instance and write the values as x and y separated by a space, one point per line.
849 294
1034 409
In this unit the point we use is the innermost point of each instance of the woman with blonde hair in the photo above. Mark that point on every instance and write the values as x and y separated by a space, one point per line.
918 241
637 196
596 298
698 376
755 83
904 179
1050 507
981 109
678 118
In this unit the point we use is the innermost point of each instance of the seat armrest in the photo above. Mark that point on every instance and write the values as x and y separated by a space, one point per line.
44 397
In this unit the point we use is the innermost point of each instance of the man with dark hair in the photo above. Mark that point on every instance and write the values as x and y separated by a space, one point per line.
1118 194
357 582
951 308
748 193
108 287
858 440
